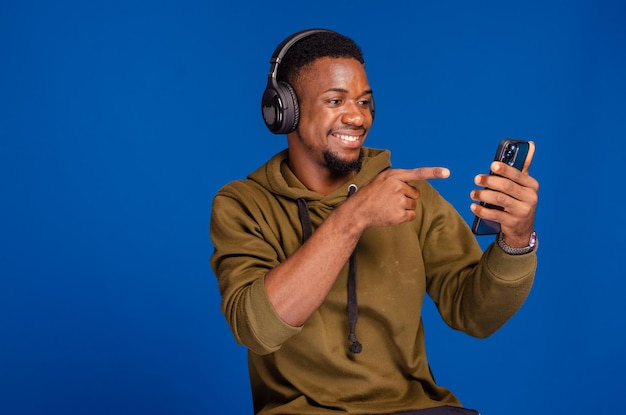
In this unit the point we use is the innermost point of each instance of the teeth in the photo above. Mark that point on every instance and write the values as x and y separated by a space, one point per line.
348 137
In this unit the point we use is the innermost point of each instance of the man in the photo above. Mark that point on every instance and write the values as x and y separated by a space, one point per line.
323 255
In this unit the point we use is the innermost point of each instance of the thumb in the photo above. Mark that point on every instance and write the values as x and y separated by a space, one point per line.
529 157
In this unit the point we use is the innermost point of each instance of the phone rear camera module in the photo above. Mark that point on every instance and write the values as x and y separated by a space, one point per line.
509 154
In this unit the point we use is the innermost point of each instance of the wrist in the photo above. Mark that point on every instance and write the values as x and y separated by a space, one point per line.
517 250
348 222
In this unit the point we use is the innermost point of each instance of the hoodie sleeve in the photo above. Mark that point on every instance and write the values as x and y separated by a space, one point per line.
245 249
475 292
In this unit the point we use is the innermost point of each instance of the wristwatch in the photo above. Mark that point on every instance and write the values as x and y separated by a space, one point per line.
532 245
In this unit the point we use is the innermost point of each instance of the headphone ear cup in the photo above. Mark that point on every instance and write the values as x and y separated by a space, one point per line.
279 107
271 108
292 112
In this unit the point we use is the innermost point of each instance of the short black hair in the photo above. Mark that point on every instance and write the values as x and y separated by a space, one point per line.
315 46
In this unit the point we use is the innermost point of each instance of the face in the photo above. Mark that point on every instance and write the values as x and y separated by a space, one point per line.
334 96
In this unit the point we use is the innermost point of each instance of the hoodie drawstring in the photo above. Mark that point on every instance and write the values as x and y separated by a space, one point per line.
305 219
353 309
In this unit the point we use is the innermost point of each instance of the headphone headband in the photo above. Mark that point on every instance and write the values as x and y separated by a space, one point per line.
285 45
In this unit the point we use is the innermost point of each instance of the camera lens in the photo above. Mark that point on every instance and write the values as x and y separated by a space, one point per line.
509 154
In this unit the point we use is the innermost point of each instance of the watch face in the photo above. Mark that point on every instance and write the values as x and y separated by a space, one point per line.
533 240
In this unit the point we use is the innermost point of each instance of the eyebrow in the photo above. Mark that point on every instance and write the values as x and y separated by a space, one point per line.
345 91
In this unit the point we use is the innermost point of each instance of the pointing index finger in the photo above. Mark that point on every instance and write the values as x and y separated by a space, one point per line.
425 173
421 173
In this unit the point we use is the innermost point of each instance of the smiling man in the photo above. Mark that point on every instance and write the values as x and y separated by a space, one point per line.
324 254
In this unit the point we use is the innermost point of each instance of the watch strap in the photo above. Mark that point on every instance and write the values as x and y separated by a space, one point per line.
532 245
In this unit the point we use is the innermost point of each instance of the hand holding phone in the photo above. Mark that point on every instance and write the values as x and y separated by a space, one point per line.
515 153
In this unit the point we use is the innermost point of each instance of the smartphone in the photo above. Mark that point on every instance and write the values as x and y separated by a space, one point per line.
513 153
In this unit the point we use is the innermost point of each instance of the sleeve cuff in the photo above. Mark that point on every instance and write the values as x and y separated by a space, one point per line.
269 329
510 267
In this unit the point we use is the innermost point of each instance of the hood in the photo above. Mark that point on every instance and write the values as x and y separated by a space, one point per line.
277 177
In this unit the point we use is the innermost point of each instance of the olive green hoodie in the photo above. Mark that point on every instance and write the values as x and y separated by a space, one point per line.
255 225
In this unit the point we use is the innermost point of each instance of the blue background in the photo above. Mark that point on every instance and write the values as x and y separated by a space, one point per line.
119 121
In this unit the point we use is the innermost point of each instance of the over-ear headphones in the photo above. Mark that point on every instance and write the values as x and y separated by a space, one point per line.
279 104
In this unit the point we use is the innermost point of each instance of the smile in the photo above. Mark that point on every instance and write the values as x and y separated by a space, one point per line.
350 138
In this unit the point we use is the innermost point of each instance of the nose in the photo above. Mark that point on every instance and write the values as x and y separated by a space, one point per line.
354 114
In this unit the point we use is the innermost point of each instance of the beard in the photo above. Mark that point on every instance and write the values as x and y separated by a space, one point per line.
341 166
